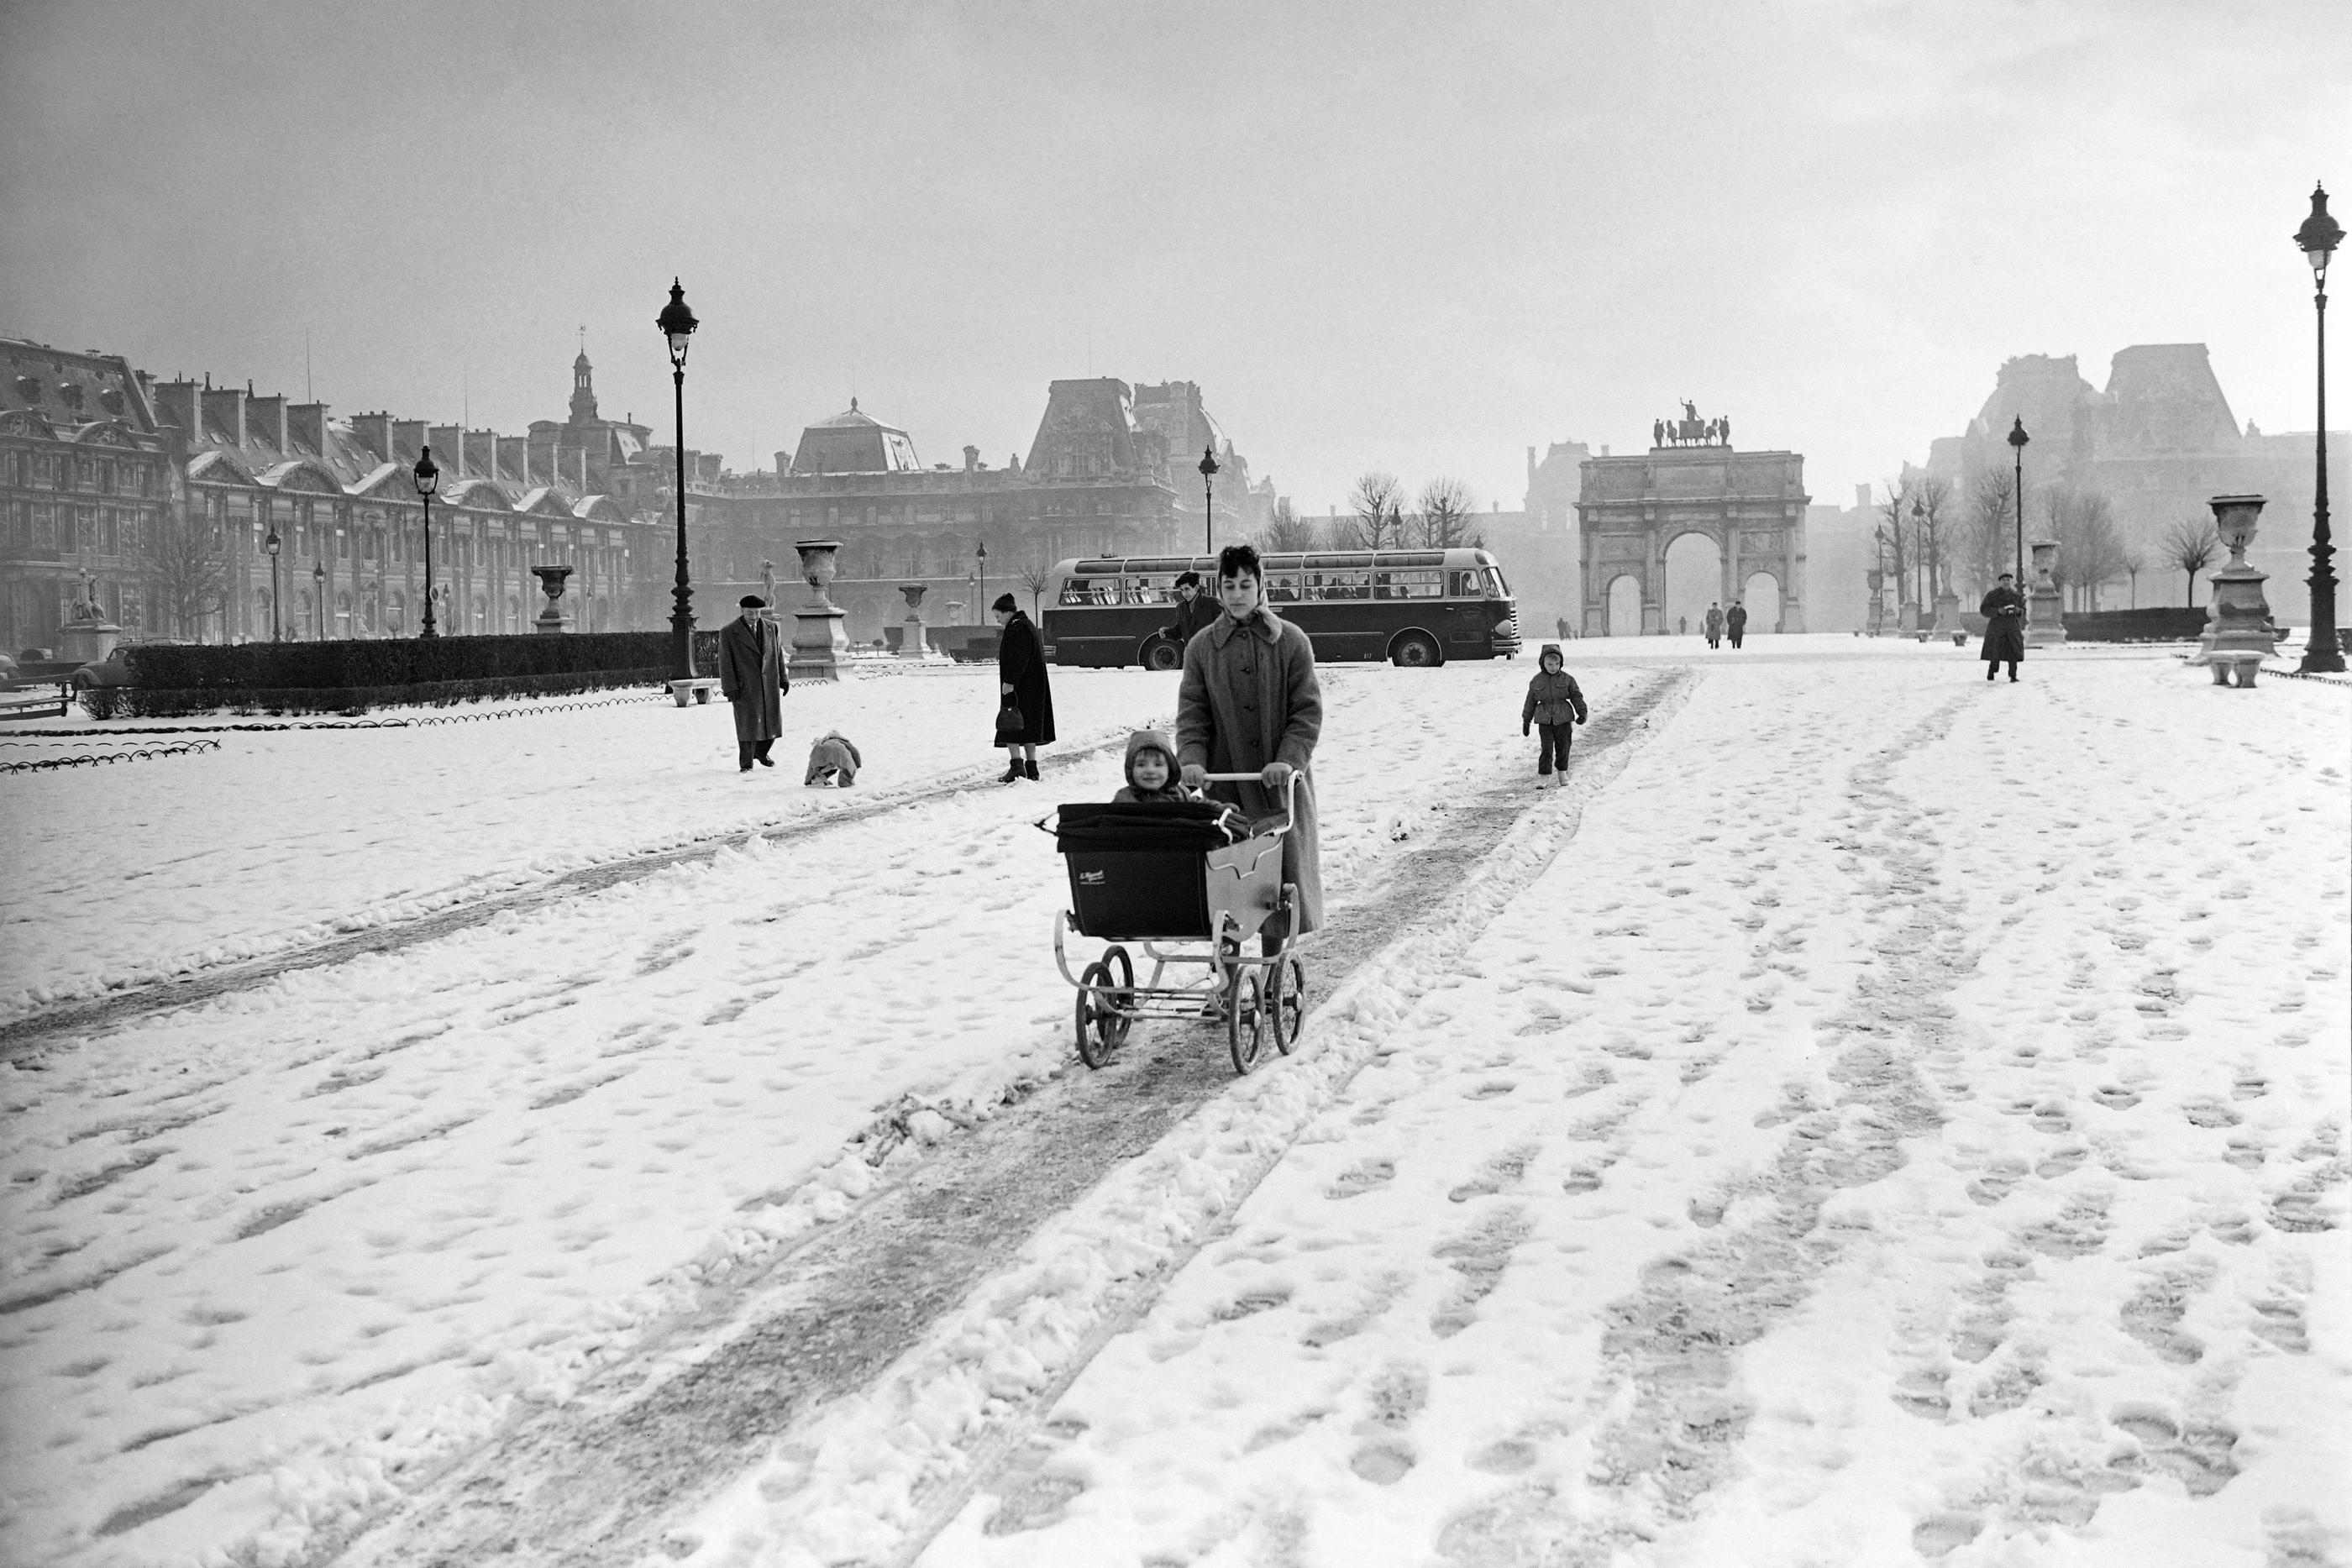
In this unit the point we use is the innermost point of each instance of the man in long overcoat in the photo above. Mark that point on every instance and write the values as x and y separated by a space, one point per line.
2004 638
1735 622
1713 625
1021 684
1248 703
751 678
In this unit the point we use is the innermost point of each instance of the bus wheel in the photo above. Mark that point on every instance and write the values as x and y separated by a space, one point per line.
1415 651
1161 654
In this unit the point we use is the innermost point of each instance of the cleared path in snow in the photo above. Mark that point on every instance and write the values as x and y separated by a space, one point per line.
591 1482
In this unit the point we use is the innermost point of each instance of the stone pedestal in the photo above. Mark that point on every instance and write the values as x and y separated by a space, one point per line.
1948 618
550 582
86 642
819 642
1910 620
914 640
2044 605
2237 634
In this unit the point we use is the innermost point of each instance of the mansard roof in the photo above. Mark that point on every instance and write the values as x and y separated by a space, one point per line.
481 494
599 510
853 442
222 466
545 501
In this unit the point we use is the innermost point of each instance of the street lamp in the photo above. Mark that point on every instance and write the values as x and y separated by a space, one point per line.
2017 440
2319 236
1209 498
980 573
428 479
677 324
319 598
271 544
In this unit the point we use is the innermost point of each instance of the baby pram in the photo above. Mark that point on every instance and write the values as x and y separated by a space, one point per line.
1176 881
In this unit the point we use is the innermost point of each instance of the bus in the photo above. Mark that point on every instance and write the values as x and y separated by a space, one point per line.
1416 608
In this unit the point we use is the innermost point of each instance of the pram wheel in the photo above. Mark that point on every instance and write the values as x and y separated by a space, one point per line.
1245 1019
1124 968
1287 1000
1101 1026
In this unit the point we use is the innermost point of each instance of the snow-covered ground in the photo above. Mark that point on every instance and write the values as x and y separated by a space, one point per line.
265 1247
1907 1122
1906 1118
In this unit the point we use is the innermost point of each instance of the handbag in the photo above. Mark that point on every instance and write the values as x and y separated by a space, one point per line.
1009 725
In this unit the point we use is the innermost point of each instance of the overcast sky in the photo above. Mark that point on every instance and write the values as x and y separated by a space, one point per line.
1418 237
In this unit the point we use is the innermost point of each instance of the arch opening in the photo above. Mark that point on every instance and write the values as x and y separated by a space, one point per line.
1761 594
1625 606
1693 581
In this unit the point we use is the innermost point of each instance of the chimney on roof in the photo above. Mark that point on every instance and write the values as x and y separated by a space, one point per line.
373 431
407 436
226 408
1531 466
971 459
1862 498
266 418
450 441
1604 449
177 398
307 422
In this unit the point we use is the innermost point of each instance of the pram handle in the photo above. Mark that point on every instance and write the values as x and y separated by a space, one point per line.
1289 791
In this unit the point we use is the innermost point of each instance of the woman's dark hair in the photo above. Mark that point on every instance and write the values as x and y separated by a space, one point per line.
1005 601
1239 561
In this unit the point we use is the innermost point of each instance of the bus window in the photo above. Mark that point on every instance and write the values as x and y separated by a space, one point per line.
1463 585
1282 588
1495 586
1074 590
1341 585
1416 584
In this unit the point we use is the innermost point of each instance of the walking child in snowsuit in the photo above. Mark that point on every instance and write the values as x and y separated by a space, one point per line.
1555 705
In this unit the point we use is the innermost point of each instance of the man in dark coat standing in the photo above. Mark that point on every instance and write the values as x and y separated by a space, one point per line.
1195 612
1249 703
1021 684
1734 621
751 677
2004 638
1713 625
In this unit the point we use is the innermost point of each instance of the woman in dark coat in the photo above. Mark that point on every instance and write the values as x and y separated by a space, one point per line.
2004 638
1021 684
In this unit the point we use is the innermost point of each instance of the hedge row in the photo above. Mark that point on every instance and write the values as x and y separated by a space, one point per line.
2157 624
146 702
379 663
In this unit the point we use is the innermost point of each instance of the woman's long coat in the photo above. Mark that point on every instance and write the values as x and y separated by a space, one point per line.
2004 638
1249 697
1021 665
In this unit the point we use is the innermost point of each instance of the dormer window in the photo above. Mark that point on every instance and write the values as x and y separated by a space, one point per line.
69 394
30 389
111 399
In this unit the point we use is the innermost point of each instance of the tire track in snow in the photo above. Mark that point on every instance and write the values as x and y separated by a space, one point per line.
745 1376
31 1036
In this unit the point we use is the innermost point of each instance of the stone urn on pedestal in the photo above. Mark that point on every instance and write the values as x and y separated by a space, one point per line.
2044 628
819 644
914 640
550 582
2238 634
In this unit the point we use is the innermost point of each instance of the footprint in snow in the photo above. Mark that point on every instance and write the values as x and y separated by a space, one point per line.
1479 1258
2153 1313
1361 1177
1498 1173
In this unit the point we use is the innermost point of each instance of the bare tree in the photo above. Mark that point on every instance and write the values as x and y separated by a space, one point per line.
1894 531
2090 547
1034 576
191 576
2191 546
1989 541
2134 564
1445 514
1378 503
1286 531
1935 498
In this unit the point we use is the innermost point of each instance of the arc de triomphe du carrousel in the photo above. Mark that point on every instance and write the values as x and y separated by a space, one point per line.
1752 505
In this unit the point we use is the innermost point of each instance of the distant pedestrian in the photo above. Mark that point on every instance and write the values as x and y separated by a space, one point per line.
1555 705
1195 613
1734 621
1561 625
1713 624
751 677
1022 686
1250 703
1682 625
2004 635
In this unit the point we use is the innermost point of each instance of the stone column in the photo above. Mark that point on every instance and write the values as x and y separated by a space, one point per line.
820 643
2043 604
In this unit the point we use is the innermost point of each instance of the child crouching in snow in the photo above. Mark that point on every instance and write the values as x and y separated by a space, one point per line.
1556 706
834 760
